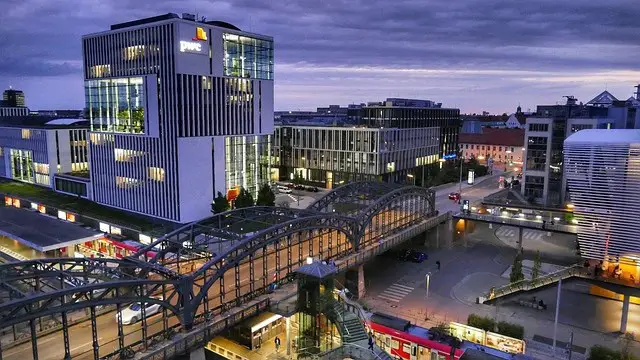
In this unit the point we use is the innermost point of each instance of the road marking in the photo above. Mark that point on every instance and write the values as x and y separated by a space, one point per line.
394 299
403 286
83 345
396 292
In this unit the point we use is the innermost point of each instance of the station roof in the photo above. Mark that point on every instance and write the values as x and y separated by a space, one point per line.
42 122
42 232
605 136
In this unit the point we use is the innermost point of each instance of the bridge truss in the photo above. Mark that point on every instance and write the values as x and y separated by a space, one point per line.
193 273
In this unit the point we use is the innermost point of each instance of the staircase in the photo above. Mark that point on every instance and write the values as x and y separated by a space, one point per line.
528 285
349 325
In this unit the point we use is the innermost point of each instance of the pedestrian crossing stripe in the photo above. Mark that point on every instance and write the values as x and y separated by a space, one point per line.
526 234
396 292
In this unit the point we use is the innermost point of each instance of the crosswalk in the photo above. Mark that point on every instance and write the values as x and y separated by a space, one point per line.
396 292
505 231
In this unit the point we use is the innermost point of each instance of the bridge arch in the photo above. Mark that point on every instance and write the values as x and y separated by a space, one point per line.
351 190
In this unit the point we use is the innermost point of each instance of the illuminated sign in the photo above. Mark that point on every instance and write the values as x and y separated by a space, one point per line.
471 176
189 46
200 34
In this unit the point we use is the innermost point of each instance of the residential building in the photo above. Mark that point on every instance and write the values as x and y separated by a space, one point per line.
34 149
10 111
544 181
473 124
180 109
602 168
13 98
503 148
393 141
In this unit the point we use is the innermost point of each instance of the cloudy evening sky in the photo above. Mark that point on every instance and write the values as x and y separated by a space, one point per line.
472 54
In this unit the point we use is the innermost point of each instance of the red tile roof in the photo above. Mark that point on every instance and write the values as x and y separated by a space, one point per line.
489 136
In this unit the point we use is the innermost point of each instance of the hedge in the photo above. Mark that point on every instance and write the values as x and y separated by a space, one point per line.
511 330
481 322
503 327
599 352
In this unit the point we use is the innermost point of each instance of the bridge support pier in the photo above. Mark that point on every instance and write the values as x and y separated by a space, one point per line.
197 354
354 281
520 239
625 314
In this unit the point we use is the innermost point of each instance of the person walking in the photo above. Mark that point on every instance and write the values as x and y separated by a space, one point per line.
438 265
370 342
277 342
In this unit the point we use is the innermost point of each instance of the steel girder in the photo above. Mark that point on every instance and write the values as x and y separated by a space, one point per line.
366 189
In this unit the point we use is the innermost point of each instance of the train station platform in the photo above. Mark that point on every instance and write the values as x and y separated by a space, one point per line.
30 234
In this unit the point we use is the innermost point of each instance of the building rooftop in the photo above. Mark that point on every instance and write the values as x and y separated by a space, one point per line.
605 136
42 122
42 232
504 137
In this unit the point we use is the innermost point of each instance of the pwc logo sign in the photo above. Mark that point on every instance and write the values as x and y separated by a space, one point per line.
194 46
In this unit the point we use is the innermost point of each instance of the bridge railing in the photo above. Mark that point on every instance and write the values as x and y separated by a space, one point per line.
566 228
526 285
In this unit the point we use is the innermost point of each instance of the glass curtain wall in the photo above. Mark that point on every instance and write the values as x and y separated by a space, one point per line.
116 105
248 57
22 165
247 162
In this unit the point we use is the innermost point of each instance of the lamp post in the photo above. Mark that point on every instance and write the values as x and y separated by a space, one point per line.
427 279
460 185
413 179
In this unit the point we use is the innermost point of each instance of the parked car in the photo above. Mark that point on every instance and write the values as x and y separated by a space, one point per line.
413 256
312 189
290 186
454 196
299 187
132 313
284 189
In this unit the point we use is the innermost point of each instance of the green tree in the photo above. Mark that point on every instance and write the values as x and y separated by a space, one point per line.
537 264
220 204
244 199
266 197
516 269
297 177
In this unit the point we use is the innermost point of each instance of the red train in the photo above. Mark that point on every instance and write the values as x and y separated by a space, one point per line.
402 340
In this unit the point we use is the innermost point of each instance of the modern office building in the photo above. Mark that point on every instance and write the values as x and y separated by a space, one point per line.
503 148
392 141
35 149
544 182
180 109
602 168
13 98
330 156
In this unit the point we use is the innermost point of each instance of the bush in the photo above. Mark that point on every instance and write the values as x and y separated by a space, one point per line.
599 352
511 330
481 322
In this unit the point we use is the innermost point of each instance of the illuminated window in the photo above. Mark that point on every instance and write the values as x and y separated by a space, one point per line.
126 183
116 105
248 57
26 134
100 71
127 155
133 52
156 173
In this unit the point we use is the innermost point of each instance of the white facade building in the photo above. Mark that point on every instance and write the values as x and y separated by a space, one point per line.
603 176
177 110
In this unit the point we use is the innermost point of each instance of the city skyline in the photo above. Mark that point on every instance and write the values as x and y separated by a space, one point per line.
476 56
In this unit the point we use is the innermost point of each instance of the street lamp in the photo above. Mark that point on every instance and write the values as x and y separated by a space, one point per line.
460 187
427 280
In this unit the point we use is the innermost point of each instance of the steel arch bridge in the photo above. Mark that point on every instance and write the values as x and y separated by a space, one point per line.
201 269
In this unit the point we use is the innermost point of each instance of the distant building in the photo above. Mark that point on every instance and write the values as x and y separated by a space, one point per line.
34 149
544 181
13 98
6 111
500 147
393 141
602 168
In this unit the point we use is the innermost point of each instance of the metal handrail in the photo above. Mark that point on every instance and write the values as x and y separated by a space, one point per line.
568 228
525 285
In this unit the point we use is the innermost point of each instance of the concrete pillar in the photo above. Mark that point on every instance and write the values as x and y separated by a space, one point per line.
450 223
625 314
197 354
354 281
288 335
520 231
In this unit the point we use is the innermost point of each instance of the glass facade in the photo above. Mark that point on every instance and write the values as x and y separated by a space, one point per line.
247 162
116 105
537 153
22 165
248 57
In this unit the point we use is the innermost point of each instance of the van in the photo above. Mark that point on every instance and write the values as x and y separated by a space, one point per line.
283 189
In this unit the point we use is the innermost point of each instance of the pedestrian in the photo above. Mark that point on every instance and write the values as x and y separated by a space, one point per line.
371 343
277 341
438 265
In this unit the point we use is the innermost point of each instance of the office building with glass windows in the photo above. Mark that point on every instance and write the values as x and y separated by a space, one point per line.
36 149
544 182
180 109
602 168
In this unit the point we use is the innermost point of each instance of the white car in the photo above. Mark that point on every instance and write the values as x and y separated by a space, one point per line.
284 189
132 313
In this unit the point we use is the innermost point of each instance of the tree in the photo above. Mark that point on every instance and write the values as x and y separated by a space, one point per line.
220 204
297 177
244 199
535 272
516 269
266 197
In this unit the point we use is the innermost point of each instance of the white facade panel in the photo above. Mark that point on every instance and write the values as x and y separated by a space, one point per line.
264 115
152 120
195 169
219 156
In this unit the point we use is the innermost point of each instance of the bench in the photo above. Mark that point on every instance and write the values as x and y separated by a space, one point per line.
529 303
